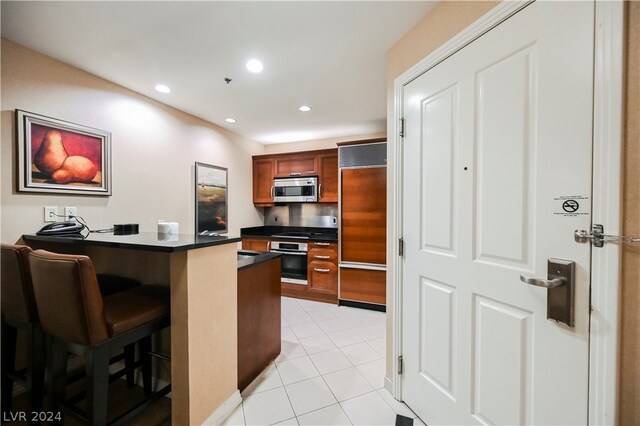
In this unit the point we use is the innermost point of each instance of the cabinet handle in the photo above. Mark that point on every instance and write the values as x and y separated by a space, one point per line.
295 174
268 245
318 256
320 191
322 244
272 192
323 270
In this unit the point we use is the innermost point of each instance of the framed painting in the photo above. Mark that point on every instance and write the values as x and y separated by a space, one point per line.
211 199
56 156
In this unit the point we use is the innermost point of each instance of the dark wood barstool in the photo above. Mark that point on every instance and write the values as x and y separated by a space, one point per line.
19 312
79 320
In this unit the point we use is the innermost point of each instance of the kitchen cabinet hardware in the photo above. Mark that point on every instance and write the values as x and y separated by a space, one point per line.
319 256
322 244
323 270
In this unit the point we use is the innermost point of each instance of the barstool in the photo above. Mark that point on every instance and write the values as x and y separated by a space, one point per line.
79 320
19 312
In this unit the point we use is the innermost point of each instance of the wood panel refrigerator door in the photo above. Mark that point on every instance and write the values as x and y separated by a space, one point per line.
498 136
363 215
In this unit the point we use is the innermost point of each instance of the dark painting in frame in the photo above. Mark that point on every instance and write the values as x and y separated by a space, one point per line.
56 156
211 199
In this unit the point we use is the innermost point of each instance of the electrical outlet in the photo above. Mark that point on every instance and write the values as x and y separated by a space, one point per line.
69 212
50 213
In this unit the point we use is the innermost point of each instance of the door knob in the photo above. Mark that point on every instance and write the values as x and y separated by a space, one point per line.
560 287
556 282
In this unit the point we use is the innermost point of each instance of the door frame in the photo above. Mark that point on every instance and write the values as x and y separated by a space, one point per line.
606 195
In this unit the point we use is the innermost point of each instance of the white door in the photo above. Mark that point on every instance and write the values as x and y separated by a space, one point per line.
498 137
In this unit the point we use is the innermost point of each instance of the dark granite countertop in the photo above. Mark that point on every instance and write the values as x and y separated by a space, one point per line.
272 232
150 241
251 257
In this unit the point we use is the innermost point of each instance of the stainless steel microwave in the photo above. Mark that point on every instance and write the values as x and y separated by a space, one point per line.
295 190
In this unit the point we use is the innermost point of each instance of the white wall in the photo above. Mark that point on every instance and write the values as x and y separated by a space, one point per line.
154 148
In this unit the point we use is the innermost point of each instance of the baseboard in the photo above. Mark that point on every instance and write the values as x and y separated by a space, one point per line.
363 305
224 410
388 385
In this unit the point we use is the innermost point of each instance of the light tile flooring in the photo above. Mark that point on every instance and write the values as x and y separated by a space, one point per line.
330 371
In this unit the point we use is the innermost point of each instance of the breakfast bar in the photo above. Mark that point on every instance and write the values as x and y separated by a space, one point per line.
201 272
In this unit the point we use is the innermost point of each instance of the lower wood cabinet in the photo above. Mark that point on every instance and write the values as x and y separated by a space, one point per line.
323 278
363 285
322 274
256 244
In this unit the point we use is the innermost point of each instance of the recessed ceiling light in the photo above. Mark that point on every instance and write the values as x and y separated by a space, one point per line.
305 108
163 88
230 120
255 65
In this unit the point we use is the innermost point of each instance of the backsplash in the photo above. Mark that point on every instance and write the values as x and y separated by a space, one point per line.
302 214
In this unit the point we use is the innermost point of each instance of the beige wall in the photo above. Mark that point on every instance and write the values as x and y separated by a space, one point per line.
319 143
154 148
443 22
629 378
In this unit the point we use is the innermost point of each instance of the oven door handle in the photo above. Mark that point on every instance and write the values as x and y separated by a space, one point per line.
295 253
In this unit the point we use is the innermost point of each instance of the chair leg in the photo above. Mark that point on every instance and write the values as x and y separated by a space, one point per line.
145 364
56 372
36 359
129 364
9 335
97 366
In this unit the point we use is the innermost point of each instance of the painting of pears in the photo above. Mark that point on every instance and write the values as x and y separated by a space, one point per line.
64 157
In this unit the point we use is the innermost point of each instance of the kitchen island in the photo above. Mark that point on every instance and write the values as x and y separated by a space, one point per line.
202 274
259 320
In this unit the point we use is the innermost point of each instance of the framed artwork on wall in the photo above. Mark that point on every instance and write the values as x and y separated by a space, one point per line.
211 199
56 156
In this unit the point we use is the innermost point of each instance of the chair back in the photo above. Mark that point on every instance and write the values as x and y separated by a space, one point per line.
68 297
18 302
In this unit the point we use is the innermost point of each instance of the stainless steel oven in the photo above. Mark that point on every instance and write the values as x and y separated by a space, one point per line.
294 260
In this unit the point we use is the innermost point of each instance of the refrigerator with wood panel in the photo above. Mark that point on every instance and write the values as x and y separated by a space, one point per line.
362 231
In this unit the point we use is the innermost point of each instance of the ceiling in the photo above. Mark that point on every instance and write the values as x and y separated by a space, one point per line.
330 55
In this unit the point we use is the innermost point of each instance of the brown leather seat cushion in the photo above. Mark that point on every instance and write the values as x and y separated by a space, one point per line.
129 309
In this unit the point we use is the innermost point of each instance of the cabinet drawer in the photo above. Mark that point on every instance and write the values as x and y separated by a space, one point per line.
323 255
363 285
323 277
323 245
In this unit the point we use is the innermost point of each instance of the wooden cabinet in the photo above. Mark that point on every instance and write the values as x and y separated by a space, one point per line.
364 215
322 274
322 271
263 173
295 165
321 163
257 244
363 285
328 178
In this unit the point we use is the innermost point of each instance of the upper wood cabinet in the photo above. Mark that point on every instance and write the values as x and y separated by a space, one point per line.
322 163
328 178
296 165
263 171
